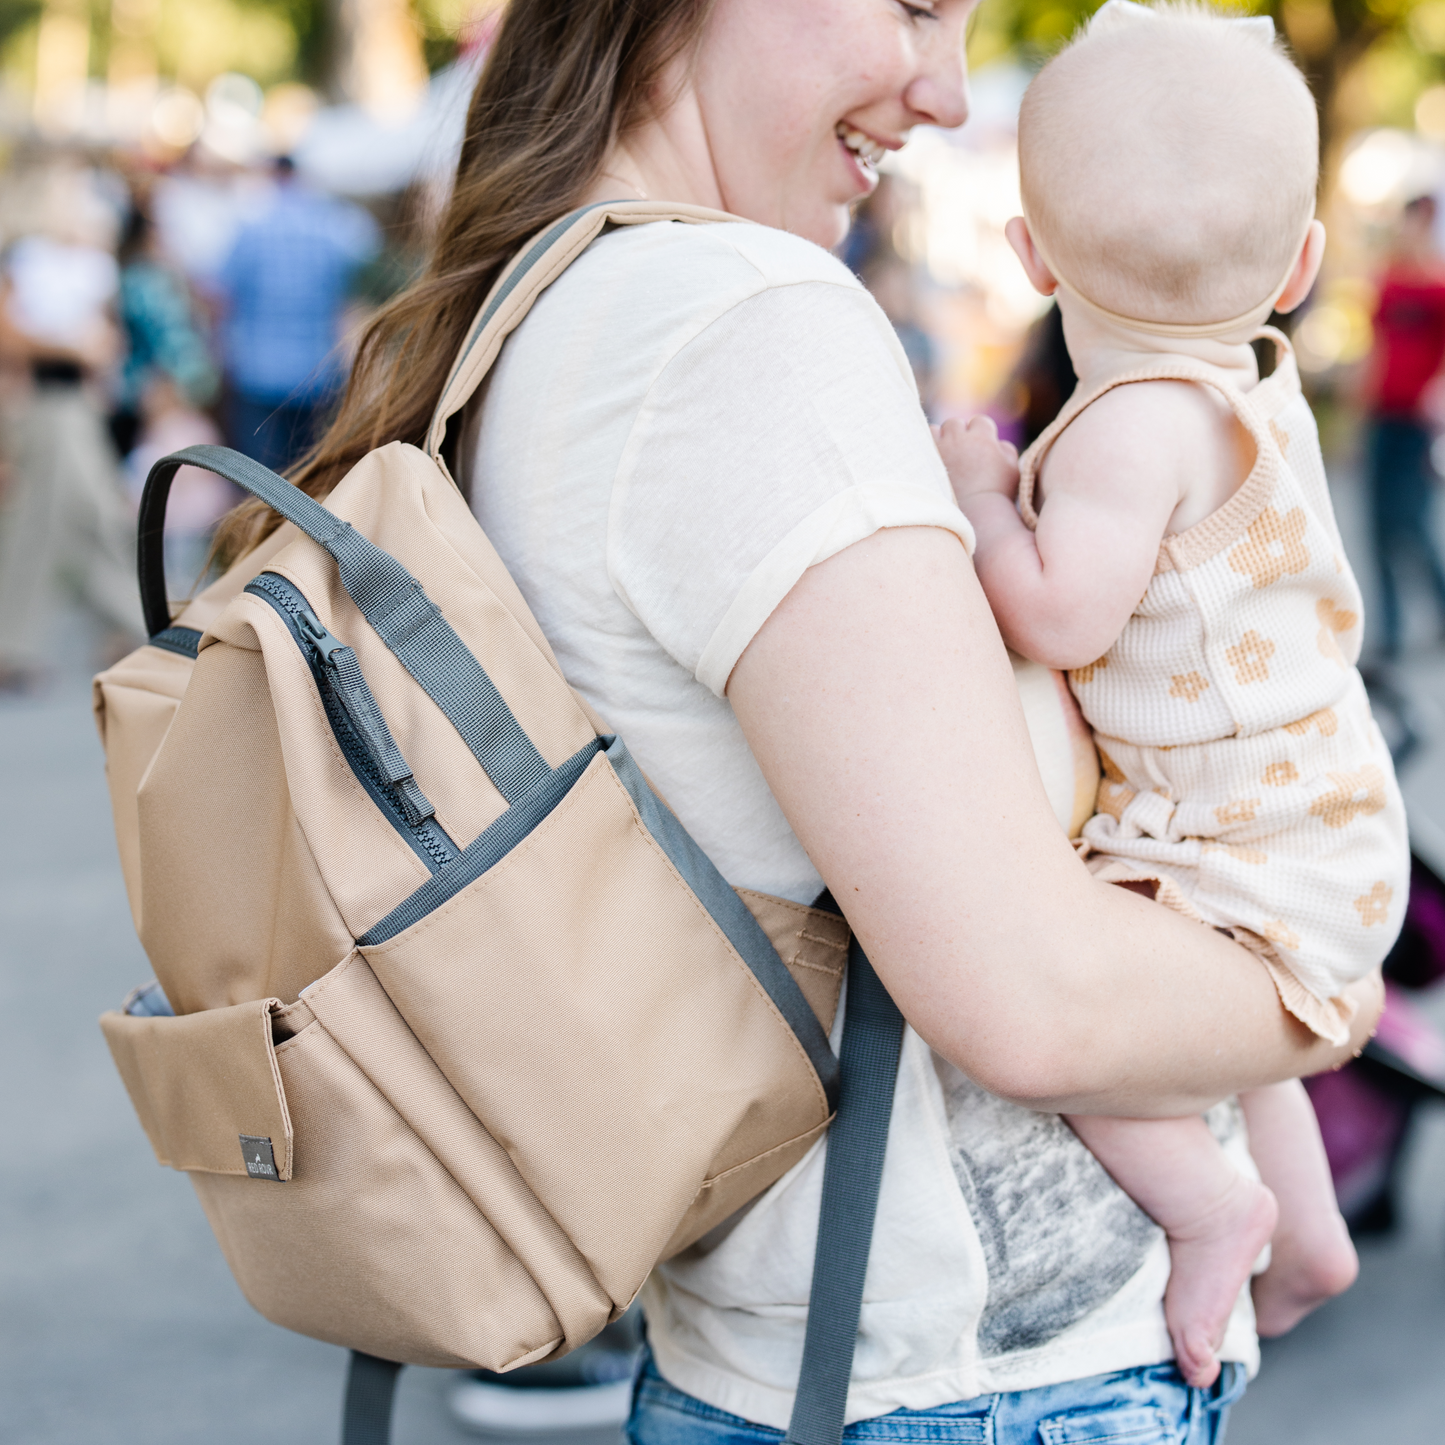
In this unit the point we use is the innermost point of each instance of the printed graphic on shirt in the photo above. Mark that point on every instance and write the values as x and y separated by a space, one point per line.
1060 1238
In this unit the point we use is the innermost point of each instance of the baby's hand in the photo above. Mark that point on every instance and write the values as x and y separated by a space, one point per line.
976 459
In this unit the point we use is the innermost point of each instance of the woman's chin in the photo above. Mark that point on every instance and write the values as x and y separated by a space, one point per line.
825 224
840 222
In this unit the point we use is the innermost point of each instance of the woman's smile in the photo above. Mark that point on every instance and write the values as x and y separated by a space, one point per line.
787 106
863 151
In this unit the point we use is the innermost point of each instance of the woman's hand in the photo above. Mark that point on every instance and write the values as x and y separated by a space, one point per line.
977 461
880 704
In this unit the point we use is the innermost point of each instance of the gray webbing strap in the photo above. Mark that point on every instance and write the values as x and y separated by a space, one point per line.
486 850
852 1173
388 596
561 242
370 1389
509 281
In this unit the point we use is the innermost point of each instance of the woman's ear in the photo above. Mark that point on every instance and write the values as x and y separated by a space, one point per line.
1020 238
1306 268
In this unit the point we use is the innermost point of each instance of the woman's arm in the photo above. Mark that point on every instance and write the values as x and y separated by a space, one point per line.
881 706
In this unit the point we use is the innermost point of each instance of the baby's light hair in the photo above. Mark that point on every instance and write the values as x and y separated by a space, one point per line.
1169 160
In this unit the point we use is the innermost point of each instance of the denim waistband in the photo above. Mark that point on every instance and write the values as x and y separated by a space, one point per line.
1150 1405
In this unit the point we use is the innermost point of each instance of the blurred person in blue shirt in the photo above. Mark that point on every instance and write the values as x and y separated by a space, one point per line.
286 283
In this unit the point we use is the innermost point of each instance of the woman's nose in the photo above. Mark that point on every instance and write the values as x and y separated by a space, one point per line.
938 95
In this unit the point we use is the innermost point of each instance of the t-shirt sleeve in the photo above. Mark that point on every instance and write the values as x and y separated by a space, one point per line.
785 431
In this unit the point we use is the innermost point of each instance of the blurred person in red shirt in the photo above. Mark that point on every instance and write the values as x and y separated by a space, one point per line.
1409 350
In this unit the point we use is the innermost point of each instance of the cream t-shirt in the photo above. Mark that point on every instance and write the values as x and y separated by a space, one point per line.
691 417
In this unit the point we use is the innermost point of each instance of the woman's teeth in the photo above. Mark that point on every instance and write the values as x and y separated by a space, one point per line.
864 147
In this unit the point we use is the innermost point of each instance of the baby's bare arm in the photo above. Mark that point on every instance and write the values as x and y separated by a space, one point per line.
1110 485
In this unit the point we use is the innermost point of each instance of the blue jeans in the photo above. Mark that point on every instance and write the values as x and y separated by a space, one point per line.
1402 500
1148 1406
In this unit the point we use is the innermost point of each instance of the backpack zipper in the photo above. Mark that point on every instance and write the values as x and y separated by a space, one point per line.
361 731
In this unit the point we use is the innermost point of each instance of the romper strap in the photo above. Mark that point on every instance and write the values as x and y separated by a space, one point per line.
1199 542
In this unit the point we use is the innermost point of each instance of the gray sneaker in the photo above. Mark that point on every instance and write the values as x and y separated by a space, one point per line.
589 1389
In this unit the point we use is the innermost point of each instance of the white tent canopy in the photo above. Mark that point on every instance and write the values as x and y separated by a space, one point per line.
353 151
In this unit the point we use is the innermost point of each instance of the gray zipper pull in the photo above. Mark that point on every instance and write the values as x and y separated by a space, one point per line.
349 688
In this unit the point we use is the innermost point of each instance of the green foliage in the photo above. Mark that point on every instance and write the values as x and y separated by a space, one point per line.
439 50
310 21
15 15
440 23
198 39
1032 30
1367 61
1028 29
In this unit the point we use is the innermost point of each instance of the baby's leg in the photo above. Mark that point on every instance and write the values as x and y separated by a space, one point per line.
1216 1218
1311 1257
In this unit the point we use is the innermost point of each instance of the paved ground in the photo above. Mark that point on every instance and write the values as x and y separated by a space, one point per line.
119 1323
1370 1366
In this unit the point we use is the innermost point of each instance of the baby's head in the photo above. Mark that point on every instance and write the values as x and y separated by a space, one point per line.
1168 162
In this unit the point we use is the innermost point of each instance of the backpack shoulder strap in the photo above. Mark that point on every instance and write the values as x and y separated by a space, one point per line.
539 263
366 1406
872 1026
852 1180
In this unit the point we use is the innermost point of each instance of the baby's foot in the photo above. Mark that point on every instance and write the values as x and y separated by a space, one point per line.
1209 1262
1305 1269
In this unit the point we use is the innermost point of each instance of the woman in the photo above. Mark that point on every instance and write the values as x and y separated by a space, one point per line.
703 459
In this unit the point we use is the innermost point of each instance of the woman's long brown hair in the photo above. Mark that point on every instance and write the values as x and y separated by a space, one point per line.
564 78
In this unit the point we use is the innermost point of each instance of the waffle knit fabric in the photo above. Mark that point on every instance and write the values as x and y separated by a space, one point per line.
1243 773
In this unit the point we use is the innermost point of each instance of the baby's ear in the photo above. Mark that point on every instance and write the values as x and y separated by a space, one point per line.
1021 239
1306 268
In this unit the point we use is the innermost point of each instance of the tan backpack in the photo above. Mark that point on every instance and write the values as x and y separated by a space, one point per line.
457 1032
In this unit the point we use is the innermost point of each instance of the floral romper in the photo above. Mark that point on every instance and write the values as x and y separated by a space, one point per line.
1243 772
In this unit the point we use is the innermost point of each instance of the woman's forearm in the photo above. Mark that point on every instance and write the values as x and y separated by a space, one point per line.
881 707
1146 1014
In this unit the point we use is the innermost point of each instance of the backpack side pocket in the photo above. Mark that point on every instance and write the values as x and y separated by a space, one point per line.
205 1084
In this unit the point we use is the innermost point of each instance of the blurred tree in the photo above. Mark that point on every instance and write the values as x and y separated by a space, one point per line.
310 22
450 26
186 40
196 40
1361 59
376 57
15 15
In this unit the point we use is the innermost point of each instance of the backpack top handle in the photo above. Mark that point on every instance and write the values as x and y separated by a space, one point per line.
308 514
386 594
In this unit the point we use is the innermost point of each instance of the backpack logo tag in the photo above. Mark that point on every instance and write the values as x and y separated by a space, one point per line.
259 1158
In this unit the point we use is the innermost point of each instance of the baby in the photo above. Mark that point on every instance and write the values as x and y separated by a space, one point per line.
1172 545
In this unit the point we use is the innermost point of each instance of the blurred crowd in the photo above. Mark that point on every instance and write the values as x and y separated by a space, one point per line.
142 311
151 304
